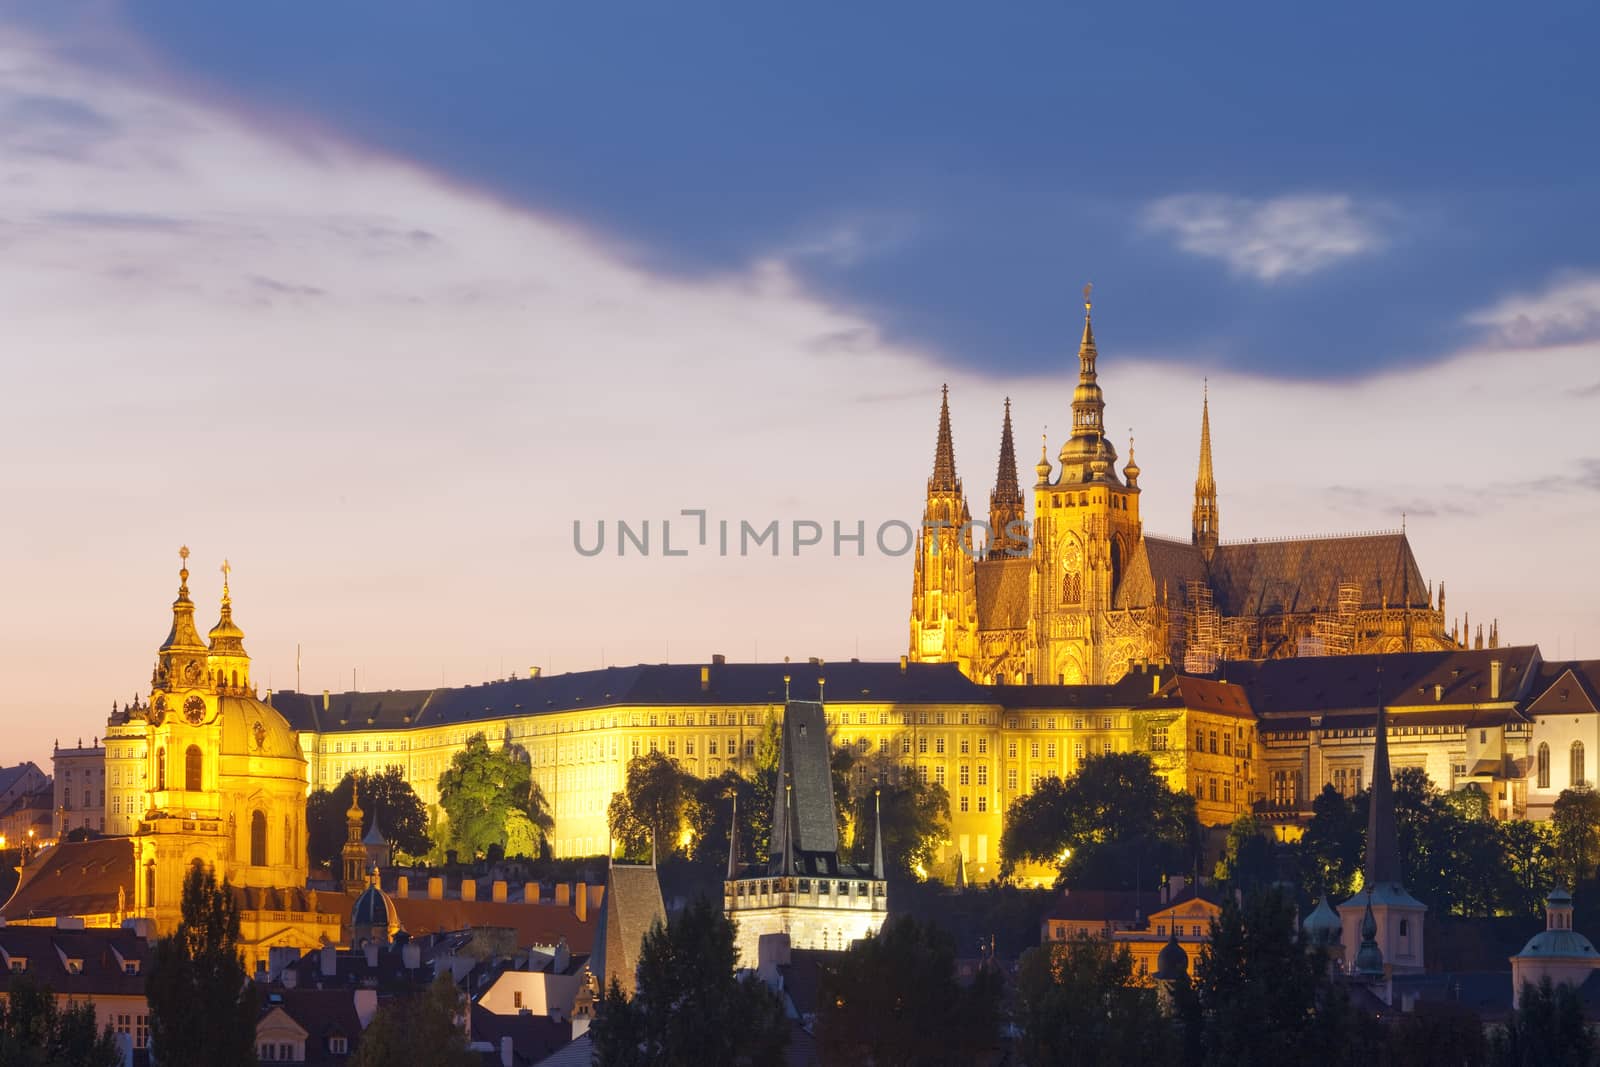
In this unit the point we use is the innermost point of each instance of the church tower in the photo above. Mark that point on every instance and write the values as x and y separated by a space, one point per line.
183 718
1008 528
1205 530
1086 528
944 614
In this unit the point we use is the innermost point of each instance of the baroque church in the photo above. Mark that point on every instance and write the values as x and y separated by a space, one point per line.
1081 593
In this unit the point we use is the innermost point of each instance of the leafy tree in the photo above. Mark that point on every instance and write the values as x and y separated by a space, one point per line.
1528 870
1079 1003
1118 818
418 1029
653 807
1258 986
1248 861
893 999
1546 1030
1575 821
689 1005
202 1003
482 793
916 818
385 795
1437 1032
1331 849
36 1032
709 812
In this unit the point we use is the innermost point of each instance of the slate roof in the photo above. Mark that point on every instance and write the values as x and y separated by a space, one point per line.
323 1014
533 1037
44 948
807 759
10 776
675 684
1299 575
1158 565
631 906
1402 680
1004 593
1571 688
75 878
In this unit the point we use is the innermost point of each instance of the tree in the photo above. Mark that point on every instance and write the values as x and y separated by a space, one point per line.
893 1000
418 1029
1331 848
1258 987
653 808
202 1003
480 792
1437 1032
1546 1030
916 818
1247 862
1575 821
1528 872
386 796
710 808
36 1032
1079 1003
689 1005
1112 825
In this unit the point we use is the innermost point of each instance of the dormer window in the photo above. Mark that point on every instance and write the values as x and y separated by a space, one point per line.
339 1046
74 966
19 964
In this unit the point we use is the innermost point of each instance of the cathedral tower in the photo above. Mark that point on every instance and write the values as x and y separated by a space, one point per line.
1204 532
1086 528
1007 521
944 619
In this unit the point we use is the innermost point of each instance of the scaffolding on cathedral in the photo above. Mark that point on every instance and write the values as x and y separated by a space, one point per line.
1202 630
1334 632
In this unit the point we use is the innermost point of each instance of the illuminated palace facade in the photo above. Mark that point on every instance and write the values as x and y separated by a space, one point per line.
1082 593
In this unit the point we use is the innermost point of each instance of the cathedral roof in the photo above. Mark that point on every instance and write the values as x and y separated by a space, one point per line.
1159 565
1304 574
1003 591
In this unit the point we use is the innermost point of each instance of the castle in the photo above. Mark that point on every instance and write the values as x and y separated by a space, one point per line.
1082 593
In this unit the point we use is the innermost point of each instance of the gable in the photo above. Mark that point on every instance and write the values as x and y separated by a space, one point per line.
1570 694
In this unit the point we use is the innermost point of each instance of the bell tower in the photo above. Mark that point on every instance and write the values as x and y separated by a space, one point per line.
184 732
944 610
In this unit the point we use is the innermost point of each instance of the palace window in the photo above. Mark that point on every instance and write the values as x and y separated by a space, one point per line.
161 768
688 746
1213 742
905 745
1544 766
258 839
1577 768
964 775
1033 723
1011 779
1033 749
983 774
983 803
922 746
672 746
883 746
965 745
938 744
1077 751
1227 745
1199 740
1050 750
1011 750
963 802
191 768
1158 739
938 774
633 747
750 749
983 746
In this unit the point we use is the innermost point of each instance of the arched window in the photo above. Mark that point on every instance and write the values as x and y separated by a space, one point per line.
288 841
1116 565
1544 766
150 885
161 768
258 839
1577 764
191 769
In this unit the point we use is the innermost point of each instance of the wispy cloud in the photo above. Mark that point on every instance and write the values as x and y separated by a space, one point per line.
1268 240
1567 310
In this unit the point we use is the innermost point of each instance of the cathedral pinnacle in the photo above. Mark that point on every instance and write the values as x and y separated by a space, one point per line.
1006 513
944 452
1131 471
1205 528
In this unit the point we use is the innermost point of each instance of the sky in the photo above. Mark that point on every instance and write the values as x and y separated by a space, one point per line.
377 301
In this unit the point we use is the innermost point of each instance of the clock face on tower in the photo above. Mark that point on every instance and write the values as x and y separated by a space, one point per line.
194 709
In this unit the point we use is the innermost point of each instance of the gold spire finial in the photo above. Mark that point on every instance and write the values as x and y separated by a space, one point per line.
226 569
1088 287
183 568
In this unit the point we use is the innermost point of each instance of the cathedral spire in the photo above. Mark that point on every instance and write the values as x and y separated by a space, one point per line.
877 834
944 452
1088 403
1005 502
1383 848
1204 532
733 840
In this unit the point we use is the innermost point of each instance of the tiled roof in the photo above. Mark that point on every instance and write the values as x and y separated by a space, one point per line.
1401 680
674 684
631 906
535 924
10 776
533 1037
1104 905
102 974
323 1014
1003 593
75 878
1566 688
1159 565
1202 694
1270 577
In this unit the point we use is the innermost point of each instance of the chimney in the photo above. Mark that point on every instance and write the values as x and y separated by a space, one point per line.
1494 679
402 887
903 661
563 894
411 955
469 889
718 659
705 679
324 700
505 1050
435 888
533 672
330 961
581 902
1155 682
497 890
530 892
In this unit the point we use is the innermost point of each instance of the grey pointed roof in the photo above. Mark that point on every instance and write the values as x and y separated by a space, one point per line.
811 829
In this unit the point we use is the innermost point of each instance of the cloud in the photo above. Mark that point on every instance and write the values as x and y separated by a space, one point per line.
1268 240
1565 311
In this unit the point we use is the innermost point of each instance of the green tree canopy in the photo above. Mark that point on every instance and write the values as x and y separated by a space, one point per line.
37 1032
1080 1004
893 1001
481 793
387 795
1113 824
1248 860
202 1002
1332 846
1547 1029
418 1029
689 1007
916 818
655 805
1575 821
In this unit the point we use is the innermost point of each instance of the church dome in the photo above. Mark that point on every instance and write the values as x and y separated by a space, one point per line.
1322 926
252 728
1559 944
374 909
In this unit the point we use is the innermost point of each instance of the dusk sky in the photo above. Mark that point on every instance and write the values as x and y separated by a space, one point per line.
376 300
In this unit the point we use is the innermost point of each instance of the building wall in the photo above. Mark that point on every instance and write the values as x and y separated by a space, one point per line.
80 789
1558 734
126 781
